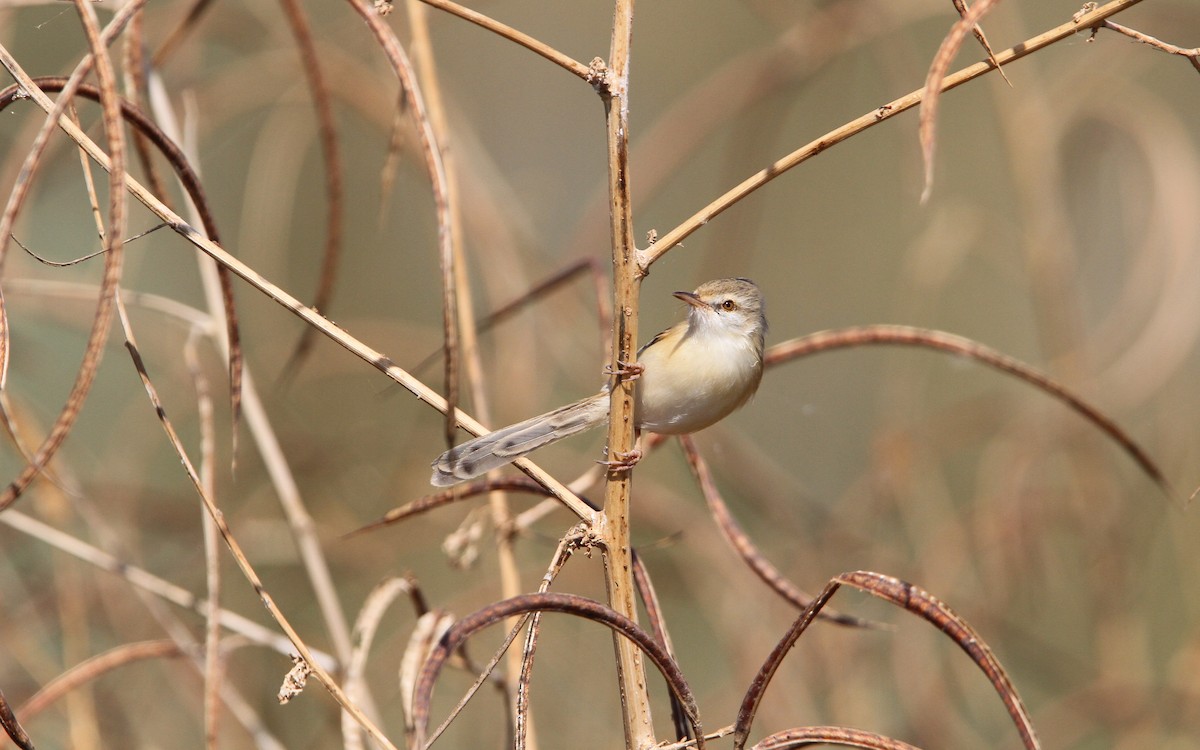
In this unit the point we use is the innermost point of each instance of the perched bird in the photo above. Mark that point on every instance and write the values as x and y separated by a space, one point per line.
688 377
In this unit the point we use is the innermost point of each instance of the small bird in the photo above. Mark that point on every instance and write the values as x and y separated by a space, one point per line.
688 377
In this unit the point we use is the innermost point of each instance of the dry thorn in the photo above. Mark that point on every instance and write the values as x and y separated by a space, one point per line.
961 7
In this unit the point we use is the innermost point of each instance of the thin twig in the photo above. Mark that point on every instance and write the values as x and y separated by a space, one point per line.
288 301
1193 54
441 189
239 556
1081 22
113 239
558 58
327 131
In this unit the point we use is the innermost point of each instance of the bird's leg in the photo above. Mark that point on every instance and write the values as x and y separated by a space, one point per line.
628 371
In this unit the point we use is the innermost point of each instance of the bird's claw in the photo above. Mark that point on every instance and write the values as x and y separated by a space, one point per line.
628 371
622 461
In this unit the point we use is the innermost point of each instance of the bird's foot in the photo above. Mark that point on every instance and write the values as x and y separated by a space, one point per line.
628 371
622 461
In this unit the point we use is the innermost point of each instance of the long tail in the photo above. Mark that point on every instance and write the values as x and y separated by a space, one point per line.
507 444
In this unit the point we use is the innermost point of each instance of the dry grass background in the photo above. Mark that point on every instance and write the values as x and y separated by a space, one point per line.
1062 229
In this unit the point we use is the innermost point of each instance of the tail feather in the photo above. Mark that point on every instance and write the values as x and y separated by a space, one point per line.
507 444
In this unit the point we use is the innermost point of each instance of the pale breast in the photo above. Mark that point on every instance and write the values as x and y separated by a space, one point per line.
687 388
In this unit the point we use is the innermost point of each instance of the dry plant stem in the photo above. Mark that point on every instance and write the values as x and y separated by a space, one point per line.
1193 54
146 581
931 94
843 736
685 744
310 316
96 667
144 127
526 41
920 602
113 241
12 727
365 627
484 675
287 491
745 547
548 602
614 533
977 30
238 555
948 342
758 686
327 130
1081 22
912 599
134 70
658 625
522 737
510 577
442 197
186 26
539 290
212 550
566 545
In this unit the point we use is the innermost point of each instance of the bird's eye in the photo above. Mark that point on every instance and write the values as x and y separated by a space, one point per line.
728 305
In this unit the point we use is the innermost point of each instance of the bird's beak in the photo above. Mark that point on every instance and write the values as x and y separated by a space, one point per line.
690 298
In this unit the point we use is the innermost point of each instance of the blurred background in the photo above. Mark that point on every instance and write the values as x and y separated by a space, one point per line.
1062 229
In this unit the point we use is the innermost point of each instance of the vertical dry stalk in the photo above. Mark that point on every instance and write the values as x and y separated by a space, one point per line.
614 528
510 577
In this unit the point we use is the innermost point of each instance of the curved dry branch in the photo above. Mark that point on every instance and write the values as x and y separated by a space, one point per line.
844 736
745 547
932 610
915 600
113 239
440 188
194 188
948 342
327 130
758 686
12 727
366 623
96 667
549 602
446 497
931 94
